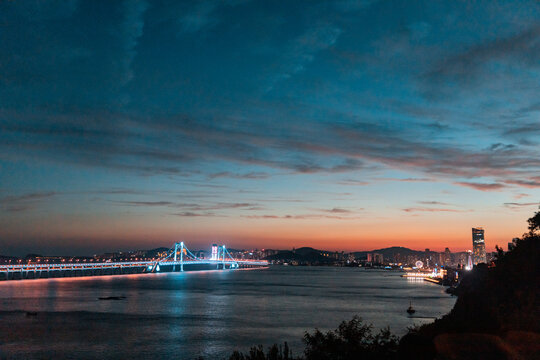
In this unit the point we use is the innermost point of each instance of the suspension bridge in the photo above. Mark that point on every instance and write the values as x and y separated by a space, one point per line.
178 258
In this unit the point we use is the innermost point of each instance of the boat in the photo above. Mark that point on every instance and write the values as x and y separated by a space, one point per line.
411 310
112 298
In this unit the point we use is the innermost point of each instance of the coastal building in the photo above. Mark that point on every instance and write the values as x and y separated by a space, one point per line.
469 265
375 258
479 246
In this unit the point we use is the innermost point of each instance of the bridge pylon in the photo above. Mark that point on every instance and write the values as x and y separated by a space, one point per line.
181 245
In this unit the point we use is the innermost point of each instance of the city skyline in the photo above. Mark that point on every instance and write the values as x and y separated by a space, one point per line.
336 125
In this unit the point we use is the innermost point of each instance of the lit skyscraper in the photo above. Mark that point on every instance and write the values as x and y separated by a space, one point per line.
479 246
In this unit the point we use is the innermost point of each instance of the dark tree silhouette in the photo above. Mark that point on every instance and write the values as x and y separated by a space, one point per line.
496 316
493 303
274 352
351 340
534 224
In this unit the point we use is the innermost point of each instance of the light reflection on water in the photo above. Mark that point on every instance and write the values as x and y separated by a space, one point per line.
206 313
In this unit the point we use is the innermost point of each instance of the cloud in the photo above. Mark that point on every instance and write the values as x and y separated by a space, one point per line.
502 147
249 175
482 186
146 203
131 31
338 211
530 128
193 214
19 203
191 206
518 205
422 209
531 183
27 197
201 15
353 182
301 217
198 17
407 179
463 66
302 51
433 203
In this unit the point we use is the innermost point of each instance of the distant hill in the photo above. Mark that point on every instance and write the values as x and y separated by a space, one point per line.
304 254
389 253
155 252
308 254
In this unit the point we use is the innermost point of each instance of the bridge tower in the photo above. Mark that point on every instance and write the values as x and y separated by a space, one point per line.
223 253
181 255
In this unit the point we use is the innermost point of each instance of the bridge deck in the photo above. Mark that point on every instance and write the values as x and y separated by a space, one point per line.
170 259
108 265
37 271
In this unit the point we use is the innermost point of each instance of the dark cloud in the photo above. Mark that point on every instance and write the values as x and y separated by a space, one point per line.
502 147
482 186
191 206
27 197
433 203
421 209
522 46
301 217
250 175
353 182
193 214
533 182
338 211
24 202
407 179
301 51
517 205
146 203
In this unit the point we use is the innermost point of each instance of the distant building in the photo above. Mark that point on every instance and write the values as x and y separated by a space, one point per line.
447 257
214 252
375 258
378 258
428 261
469 260
479 246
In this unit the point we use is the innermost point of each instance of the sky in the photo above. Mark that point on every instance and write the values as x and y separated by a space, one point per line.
341 125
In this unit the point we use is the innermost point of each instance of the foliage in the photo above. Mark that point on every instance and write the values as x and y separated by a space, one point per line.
534 223
274 352
351 340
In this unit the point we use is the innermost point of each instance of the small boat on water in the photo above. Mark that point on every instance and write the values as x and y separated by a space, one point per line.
410 310
31 314
112 298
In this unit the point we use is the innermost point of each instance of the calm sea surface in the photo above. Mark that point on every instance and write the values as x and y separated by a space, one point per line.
210 313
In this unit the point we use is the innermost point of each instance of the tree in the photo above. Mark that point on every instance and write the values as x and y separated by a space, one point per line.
274 352
351 340
534 223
